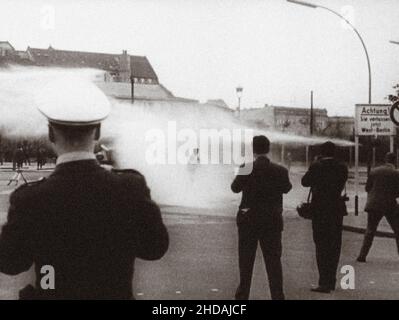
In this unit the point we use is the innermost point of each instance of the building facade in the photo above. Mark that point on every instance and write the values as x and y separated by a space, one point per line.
341 127
297 121
261 117
117 67
119 70
6 49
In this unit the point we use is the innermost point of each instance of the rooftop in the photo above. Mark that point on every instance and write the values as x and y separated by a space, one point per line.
139 65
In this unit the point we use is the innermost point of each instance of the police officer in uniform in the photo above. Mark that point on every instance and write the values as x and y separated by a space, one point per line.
259 218
87 223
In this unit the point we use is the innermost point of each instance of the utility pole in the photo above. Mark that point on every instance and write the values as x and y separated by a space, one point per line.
311 112
132 87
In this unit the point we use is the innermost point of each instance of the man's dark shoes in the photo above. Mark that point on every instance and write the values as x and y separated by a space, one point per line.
361 259
240 295
321 290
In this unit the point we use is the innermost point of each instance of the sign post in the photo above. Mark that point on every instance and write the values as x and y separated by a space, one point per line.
394 113
356 174
371 120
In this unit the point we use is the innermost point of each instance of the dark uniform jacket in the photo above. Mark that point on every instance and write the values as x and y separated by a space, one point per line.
383 189
327 178
262 191
89 224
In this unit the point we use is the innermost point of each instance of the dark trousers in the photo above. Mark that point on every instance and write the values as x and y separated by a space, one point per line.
249 234
327 236
373 220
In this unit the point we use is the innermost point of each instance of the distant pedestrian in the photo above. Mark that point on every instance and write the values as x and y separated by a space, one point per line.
259 218
383 189
195 157
40 158
26 151
327 177
18 158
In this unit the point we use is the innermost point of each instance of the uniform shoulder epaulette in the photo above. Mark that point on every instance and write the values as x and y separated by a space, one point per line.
35 182
124 171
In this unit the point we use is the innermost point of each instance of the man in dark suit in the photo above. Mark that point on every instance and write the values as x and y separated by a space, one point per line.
260 218
383 189
327 178
85 222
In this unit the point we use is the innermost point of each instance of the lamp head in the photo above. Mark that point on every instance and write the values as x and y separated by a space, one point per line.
303 3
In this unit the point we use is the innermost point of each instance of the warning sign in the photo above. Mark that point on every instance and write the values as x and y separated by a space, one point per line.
373 120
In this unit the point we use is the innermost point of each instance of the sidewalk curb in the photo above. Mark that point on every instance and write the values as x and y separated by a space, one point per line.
382 234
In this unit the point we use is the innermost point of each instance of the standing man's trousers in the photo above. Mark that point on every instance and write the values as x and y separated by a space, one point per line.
327 236
373 220
249 234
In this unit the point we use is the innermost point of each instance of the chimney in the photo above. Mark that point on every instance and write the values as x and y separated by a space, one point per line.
124 66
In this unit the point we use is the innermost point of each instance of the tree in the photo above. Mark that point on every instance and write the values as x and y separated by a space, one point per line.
394 97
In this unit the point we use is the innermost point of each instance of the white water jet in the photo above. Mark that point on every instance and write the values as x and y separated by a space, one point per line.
127 126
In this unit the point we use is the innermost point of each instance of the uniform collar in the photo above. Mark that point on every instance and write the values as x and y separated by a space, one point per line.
262 155
327 158
75 156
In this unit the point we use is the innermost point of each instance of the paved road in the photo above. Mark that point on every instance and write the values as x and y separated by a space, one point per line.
202 264
202 260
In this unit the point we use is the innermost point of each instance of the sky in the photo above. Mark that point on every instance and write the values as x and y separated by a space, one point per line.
203 49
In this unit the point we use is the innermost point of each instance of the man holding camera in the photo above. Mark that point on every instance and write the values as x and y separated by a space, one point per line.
327 178
260 218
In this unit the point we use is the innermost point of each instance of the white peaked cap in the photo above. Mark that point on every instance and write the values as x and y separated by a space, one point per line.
72 102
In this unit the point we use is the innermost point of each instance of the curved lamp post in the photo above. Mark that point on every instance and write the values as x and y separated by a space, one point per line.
315 6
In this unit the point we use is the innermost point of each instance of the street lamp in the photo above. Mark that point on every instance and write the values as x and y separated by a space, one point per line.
303 3
239 90
314 6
